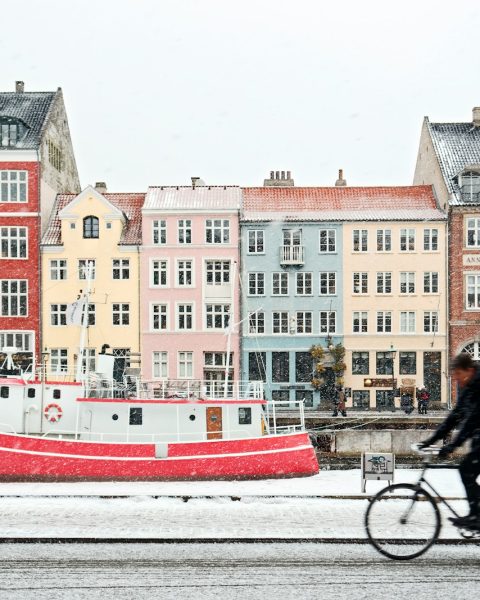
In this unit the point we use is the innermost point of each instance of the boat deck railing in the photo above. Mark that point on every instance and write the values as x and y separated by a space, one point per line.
197 389
294 411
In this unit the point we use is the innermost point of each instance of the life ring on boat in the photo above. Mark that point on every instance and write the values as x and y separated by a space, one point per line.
53 412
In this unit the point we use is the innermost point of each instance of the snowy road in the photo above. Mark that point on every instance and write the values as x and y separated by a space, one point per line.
230 572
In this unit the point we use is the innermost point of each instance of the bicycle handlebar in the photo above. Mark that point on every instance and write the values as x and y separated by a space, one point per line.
428 451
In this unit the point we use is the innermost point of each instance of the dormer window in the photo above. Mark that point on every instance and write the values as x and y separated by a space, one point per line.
470 186
11 132
90 227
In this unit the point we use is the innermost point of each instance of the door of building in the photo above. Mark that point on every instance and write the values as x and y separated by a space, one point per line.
214 423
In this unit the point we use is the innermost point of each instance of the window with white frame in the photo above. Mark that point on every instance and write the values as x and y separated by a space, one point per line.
430 321
384 321
218 272
360 363
58 360
430 282
328 283
120 313
217 231
384 282
407 321
256 322
84 264
13 186
327 241
303 321
217 316
407 282
58 314
14 296
280 322
58 269
20 340
121 268
160 364
256 284
217 360
256 241
473 233
184 231
360 240
360 322
303 284
185 365
159 273
407 240
279 284
91 314
88 360
430 240
328 321
384 240
159 317
360 283
185 316
159 231
184 273
13 242
473 292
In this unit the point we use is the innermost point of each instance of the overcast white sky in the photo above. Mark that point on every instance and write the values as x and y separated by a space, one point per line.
160 90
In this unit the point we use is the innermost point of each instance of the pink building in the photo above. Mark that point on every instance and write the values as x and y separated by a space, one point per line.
190 284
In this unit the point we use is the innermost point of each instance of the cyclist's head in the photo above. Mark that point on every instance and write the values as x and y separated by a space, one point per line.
463 368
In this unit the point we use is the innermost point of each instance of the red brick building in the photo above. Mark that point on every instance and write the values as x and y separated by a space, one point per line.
36 163
449 158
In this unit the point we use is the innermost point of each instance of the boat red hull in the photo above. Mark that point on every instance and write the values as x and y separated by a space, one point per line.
27 458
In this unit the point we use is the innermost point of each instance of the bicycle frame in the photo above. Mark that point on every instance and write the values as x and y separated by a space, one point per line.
427 484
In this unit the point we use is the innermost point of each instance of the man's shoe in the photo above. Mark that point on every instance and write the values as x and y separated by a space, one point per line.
466 521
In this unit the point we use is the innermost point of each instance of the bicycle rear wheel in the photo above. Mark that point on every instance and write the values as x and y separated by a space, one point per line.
402 521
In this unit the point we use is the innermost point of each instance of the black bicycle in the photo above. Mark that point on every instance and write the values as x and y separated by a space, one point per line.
403 520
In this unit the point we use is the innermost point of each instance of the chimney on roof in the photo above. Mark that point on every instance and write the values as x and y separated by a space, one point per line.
476 116
341 182
19 87
101 187
279 179
196 181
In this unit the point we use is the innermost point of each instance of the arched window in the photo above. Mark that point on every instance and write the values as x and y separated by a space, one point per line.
470 186
473 349
90 227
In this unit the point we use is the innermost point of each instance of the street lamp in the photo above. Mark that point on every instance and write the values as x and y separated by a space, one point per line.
393 353
329 341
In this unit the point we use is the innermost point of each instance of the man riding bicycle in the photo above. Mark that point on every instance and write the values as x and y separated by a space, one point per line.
466 414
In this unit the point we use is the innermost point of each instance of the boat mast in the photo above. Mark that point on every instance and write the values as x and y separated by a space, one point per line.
231 326
83 332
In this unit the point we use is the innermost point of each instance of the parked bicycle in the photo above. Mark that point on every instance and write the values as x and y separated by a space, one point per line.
403 520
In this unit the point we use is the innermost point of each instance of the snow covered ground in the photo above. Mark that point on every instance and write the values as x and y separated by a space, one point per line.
326 483
266 509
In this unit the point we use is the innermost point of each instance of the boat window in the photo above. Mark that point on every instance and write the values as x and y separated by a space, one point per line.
192 417
136 416
4 391
31 393
244 416
114 417
56 394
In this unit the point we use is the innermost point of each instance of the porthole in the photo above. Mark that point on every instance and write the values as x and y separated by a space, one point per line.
192 417
114 417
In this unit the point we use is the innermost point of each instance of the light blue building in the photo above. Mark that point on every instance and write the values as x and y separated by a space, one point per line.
291 297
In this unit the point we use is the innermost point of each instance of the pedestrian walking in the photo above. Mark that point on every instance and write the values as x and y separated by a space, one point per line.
341 402
335 403
406 403
423 398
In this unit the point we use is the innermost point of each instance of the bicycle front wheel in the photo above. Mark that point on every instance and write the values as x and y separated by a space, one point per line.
402 521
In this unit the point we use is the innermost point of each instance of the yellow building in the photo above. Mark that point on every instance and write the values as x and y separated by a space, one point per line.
104 230
395 301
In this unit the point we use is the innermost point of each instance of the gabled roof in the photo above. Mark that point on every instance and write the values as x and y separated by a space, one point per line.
409 203
456 146
33 109
129 204
208 197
